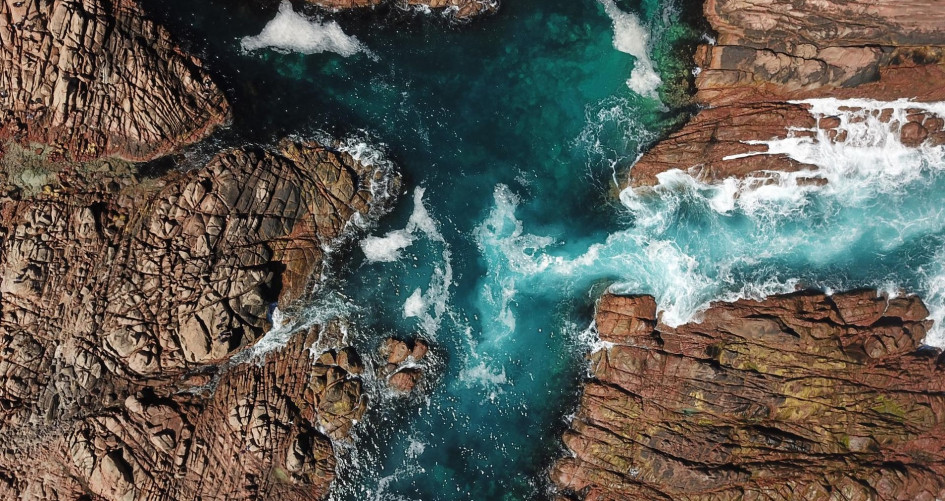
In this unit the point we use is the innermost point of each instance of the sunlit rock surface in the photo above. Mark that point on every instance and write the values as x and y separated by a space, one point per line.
97 78
770 52
802 396
124 300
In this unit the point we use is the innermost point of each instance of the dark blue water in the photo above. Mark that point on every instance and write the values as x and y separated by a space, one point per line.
509 132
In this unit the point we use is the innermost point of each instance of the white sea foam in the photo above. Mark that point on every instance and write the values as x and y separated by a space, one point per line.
363 151
429 306
415 305
435 300
278 318
933 282
390 246
589 337
868 164
387 248
632 37
415 447
290 31
485 376
519 260
502 230
610 135
871 159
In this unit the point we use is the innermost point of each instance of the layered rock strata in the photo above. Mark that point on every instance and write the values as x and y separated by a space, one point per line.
462 10
96 78
122 301
769 53
801 396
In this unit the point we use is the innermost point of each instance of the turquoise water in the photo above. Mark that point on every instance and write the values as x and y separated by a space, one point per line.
509 132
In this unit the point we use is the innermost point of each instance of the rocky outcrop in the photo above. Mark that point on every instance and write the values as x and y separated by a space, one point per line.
95 78
124 300
261 431
801 396
134 308
402 363
770 52
462 10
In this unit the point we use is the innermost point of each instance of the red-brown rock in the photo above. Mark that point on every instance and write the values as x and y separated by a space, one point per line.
800 396
403 363
96 78
769 52
405 380
462 10
126 309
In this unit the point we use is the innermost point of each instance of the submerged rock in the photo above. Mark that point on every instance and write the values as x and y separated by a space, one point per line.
801 396
97 78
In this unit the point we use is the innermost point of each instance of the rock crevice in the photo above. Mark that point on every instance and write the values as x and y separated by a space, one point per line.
122 303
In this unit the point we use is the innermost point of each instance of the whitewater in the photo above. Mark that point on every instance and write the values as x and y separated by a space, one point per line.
514 135
291 31
691 243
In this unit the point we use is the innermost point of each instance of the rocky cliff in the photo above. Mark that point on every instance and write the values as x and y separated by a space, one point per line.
123 302
96 78
770 52
133 304
803 396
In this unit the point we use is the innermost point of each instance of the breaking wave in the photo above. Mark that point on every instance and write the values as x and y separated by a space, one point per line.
428 306
290 31
869 224
632 37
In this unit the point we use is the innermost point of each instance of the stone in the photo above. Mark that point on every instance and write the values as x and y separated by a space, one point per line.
913 134
770 53
128 317
96 78
459 10
403 363
794 397
404 380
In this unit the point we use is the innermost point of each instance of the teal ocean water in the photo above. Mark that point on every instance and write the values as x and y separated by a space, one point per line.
510 133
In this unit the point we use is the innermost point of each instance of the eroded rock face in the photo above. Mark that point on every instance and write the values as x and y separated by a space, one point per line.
258 432
96 79
123 299
771 52
457 9
802 396
806 45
